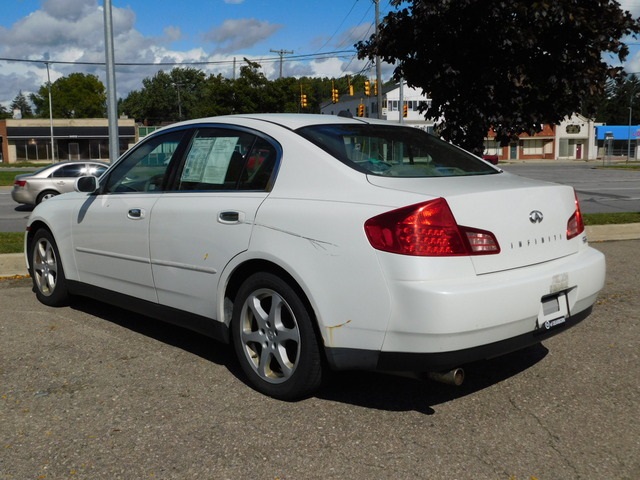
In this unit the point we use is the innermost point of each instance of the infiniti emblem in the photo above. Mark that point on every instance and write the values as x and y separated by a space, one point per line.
536 216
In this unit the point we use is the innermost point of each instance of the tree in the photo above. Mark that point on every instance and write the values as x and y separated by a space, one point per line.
4 113
619 99
75 96
22 103
509 65
167 97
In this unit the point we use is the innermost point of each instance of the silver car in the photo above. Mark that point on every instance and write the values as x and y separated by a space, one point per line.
52 180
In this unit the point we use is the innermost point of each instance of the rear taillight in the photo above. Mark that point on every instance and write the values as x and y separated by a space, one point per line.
427 229
575 225
20 183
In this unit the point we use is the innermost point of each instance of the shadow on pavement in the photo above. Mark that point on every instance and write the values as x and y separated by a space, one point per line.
365 389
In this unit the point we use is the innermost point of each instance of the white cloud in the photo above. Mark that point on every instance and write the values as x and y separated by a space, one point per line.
73 31
242 33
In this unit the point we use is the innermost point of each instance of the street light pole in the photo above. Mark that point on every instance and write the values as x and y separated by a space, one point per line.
377 60
112 102
53 157
178 85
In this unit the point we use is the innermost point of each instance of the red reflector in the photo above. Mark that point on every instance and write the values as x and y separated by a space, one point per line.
427 229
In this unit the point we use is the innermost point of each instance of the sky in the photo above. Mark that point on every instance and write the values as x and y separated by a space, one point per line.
320 33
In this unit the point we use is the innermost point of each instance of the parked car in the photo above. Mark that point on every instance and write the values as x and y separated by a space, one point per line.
491 158
52 180
352 244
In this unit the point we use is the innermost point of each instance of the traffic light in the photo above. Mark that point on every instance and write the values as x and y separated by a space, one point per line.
405 110
361 110
303 100
335 96
375 88
367 88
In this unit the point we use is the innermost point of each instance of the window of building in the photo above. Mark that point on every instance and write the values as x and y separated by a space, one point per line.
533 147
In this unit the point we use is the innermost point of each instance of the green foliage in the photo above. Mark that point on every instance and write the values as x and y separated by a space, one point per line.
7 178
612 105
4 113
511 66
21 102
158 101
75 96
11 242
611 218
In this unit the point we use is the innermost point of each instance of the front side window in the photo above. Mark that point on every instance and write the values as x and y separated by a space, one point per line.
394 151
145 168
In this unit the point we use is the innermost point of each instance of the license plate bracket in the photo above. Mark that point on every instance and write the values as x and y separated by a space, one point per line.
554 310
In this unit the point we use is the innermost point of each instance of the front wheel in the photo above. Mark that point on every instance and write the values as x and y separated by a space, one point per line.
46 270
274 338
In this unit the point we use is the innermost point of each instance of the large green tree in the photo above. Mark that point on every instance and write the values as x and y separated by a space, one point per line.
510 65
78 95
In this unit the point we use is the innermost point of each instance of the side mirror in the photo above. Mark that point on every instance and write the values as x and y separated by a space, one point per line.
87 184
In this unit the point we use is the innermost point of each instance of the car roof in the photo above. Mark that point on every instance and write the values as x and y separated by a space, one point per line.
291 121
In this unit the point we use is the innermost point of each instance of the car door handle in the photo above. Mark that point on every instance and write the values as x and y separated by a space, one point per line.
231 217
136 213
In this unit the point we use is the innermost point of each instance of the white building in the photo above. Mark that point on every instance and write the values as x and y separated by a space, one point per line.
392 107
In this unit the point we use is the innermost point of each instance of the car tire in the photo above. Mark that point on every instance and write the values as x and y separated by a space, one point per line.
274 338
46 195
45 267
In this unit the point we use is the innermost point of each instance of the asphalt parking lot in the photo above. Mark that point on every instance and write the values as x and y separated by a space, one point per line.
91 391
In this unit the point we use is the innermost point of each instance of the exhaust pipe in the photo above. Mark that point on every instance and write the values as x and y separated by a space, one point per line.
452 377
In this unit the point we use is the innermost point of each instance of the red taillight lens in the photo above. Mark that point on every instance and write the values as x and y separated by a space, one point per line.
427 229
20 183
575 225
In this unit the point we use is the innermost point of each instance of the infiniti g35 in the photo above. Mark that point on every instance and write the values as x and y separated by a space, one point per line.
318 242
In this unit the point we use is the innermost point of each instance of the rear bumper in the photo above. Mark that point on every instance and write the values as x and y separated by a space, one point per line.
349 359
440 324
22 195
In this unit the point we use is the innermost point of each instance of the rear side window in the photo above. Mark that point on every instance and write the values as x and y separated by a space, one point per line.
394 151
74 170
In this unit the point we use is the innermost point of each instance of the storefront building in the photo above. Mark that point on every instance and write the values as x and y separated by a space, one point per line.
30 140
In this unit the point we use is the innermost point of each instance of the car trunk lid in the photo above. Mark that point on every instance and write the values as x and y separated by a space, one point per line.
528 217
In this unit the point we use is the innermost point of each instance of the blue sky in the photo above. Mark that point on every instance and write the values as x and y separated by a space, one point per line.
152 31
183 31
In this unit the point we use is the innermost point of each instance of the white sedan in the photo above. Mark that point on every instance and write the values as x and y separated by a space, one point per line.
315 242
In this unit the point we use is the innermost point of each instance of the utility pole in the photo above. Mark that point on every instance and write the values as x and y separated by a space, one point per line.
282 53
377 60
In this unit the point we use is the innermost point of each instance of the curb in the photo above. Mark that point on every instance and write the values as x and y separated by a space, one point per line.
13 264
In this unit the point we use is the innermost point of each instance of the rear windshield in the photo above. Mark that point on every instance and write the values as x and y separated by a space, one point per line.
394 151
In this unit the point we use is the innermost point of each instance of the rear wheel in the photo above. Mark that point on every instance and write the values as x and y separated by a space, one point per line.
274 338
46 195
46 270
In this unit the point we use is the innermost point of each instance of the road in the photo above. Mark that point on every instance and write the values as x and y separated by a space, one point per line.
599 190
91 391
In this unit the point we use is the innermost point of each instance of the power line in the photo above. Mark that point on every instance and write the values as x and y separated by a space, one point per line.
310 56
